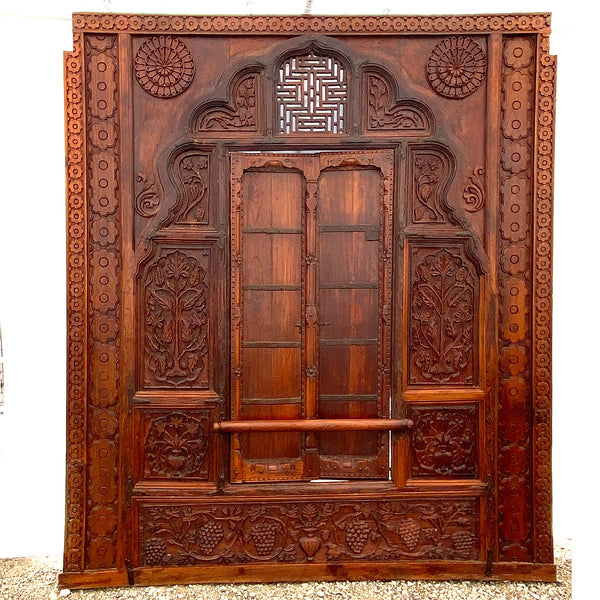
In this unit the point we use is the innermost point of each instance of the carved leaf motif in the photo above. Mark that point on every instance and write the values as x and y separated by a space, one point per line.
442 309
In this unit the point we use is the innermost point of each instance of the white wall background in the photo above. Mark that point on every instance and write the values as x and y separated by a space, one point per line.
33 36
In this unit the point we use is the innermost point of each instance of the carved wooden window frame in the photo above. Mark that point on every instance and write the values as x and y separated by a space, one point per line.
94 284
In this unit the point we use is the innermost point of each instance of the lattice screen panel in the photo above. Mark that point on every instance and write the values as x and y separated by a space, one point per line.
312 95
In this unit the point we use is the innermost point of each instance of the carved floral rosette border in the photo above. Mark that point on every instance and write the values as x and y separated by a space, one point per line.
76 308
542 305
273 25
103 202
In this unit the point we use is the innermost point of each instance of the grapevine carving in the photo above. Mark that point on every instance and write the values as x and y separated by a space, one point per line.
176 324
442 319
308 532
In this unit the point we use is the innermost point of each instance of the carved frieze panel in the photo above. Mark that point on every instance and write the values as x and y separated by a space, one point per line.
174 319
443 326
307 532
444 442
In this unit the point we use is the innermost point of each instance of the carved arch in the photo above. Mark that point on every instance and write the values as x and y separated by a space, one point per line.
384 111
239 110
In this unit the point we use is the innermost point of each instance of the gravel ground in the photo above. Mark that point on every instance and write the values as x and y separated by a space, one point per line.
35 579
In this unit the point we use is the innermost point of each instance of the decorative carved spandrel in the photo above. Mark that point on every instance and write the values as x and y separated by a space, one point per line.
444 442
443 317
306 532
387 114
147 200
175 321
238 113
474 194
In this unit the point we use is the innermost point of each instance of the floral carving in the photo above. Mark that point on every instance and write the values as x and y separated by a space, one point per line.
456 67
176 446
164 66
192 204
319 532
442 315
175 320
444 442
428 169
386 115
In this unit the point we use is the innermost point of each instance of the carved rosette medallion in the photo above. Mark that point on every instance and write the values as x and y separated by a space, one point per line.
175 447
164 66
456 67
176 322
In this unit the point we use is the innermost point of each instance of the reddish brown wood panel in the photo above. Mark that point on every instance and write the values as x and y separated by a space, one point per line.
290 223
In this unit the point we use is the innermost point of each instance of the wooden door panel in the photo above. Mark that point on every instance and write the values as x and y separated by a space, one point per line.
299 259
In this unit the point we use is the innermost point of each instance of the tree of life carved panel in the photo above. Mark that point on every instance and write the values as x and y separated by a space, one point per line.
312 95
176 322
442 317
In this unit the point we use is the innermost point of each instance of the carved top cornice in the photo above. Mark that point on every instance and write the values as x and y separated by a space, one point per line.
311 24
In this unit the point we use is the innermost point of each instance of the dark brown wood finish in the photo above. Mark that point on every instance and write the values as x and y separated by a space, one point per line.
309 297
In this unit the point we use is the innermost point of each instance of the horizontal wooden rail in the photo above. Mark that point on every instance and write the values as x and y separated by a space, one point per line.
314 425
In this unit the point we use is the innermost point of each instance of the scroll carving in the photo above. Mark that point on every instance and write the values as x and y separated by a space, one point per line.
175 447
442 317
474 194
147 200
386 114
444 442
308 532
238 113
175 322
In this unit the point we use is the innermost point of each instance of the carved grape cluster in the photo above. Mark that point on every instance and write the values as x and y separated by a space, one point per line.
357 535
410 533
263 537
156 549
463 541
209 536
